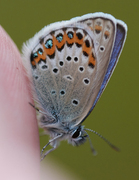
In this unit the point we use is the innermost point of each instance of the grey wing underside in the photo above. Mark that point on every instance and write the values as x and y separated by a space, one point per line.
104 32
121 32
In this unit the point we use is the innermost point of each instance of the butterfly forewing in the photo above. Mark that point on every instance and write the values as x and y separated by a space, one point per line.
118 45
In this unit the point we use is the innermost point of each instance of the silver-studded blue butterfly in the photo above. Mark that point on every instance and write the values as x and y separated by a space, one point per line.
69 64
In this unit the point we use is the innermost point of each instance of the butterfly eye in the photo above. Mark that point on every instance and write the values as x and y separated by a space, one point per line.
77 133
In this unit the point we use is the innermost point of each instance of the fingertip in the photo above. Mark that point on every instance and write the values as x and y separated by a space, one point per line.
19 131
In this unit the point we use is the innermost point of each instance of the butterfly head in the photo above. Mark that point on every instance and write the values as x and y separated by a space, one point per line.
77 136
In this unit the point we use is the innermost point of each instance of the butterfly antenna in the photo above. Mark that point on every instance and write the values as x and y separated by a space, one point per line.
91 145
108 142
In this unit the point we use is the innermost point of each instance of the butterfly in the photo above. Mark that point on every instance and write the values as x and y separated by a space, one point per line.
69 64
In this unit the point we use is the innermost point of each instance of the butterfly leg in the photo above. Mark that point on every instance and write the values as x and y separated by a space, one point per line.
44 147
54 146
37 109
47 152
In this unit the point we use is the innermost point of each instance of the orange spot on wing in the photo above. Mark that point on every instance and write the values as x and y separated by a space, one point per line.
33 63
57 43
69 41
77 40
98 28
38 58
107 33
90 28
49 51
86 49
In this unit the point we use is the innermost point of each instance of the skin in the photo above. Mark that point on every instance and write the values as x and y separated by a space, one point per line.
19 137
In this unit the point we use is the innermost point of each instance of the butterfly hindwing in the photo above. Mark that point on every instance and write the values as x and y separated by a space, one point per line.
71 63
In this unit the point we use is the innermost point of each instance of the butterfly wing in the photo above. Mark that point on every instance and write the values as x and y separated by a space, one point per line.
105 27
70 63
118 45
120 37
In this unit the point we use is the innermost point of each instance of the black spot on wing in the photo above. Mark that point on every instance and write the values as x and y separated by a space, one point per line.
79 35
78 45
69 45
51 56
31 60
60 49
85 53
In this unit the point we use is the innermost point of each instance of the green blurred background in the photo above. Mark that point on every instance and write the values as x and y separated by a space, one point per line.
116 115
